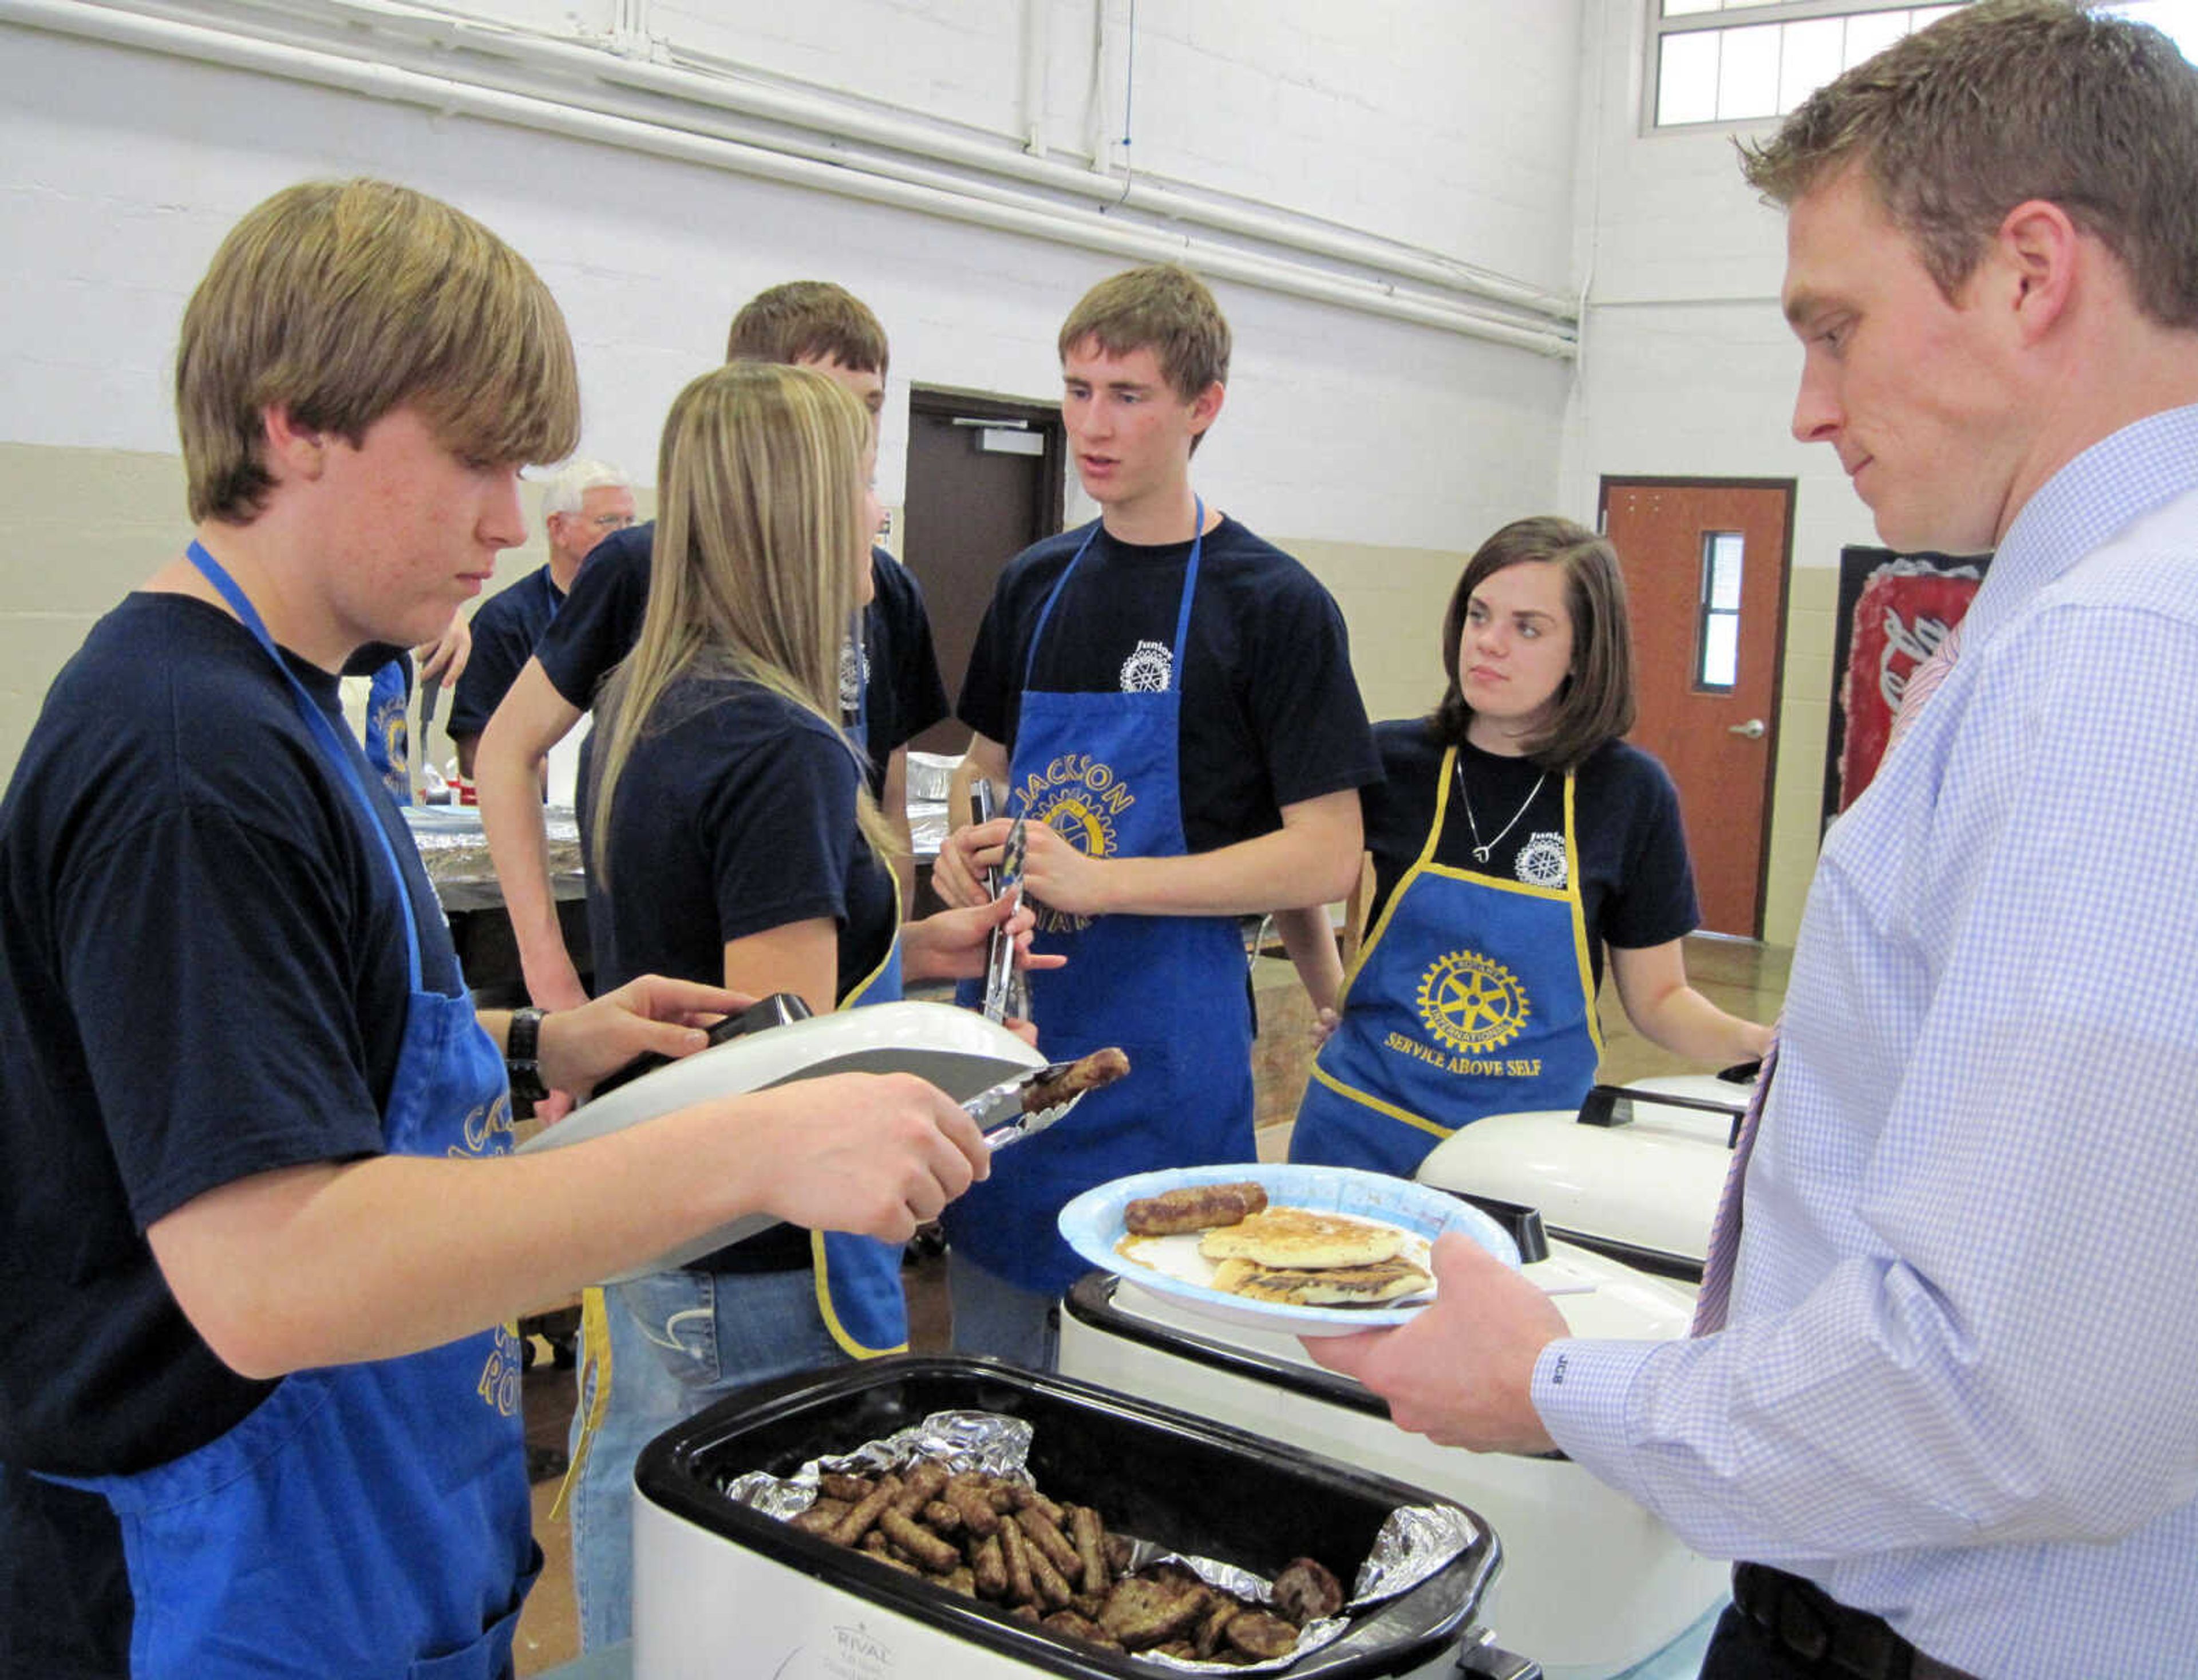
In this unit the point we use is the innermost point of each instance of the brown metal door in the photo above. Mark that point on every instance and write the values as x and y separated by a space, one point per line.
975 499
1705 564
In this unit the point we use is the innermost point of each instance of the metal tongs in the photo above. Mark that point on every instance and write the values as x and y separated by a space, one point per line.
999 1109
1000 953
1006 993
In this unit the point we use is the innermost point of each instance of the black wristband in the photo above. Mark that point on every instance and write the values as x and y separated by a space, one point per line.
522 1056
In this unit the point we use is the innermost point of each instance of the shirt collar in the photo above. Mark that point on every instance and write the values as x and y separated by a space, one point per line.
2097 495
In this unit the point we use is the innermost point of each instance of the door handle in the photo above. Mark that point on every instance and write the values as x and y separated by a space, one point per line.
1752 729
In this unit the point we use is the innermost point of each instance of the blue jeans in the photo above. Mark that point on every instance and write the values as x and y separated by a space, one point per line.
679 1340
994 1316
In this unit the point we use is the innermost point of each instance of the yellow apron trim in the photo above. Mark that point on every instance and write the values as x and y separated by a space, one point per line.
595 1358
1425 860
854 1349
854 995
1496 883
1425 864
1580 952
1368 1100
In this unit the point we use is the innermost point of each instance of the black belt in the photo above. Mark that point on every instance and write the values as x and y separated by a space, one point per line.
1811 1625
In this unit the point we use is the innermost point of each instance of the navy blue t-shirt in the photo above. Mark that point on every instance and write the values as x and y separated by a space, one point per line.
203 978
734 815
1271 713
601 622
505 630
1637 885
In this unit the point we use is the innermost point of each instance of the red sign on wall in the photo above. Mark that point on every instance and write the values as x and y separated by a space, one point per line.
1894 609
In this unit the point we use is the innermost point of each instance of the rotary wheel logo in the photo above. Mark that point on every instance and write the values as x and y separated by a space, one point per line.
854 667
1541 861
1083 823
1471 1002
1147 669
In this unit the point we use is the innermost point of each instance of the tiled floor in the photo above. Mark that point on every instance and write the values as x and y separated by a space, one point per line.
1746 978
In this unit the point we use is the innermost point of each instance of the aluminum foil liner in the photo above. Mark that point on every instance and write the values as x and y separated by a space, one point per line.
1414 1543
452 845
930 774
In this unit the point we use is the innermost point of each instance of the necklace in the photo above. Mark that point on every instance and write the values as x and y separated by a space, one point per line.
1480 851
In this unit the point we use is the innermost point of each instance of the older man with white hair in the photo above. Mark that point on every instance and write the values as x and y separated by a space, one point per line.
584 503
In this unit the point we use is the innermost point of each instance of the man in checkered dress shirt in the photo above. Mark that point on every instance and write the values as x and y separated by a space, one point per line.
1958 1386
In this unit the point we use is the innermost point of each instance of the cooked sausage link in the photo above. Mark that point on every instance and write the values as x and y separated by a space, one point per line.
1052 1590
1021 1589
935 1554
1090 1535
1050 1542
970 1497
941 1518
838 1485
1029 1498
1087 1073
857 1521
822 1517
989 1564
920 1486
1195 1207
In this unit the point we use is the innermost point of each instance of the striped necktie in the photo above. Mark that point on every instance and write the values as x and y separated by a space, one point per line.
1724 1230
1922 682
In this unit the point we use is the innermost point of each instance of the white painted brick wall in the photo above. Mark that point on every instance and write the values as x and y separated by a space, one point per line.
123 170
1687 366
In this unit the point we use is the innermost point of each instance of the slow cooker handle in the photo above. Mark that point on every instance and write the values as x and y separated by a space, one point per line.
1485 1660
1613 1106
781 1008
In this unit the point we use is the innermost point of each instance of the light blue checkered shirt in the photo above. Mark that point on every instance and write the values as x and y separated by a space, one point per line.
1959 1385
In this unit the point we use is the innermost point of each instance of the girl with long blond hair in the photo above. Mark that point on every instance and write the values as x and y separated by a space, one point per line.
732 837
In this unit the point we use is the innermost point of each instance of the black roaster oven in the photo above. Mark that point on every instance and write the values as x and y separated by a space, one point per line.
723 1590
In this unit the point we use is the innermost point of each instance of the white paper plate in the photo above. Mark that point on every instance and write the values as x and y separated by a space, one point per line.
1173 1266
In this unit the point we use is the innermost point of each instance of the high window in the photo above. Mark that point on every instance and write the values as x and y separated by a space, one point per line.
1746 61
1729 61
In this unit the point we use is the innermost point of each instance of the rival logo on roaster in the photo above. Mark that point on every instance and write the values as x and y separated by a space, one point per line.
852 1653
1078 798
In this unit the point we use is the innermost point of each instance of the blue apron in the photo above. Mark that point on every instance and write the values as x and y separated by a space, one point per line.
857 1278
1102 769
365 1521
1474 996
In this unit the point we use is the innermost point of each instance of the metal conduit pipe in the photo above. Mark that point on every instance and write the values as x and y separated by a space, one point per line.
1035 14
438 94
853 121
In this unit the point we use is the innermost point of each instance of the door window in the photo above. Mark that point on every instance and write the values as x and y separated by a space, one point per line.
1716 639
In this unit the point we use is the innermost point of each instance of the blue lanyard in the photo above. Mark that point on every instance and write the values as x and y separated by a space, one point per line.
333 746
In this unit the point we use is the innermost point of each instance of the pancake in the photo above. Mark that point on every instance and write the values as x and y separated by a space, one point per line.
1331 1286
1297 1238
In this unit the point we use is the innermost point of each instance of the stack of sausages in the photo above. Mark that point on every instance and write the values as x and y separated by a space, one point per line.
1003 1541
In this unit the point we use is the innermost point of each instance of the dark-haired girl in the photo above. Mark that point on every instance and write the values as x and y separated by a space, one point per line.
1515 837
